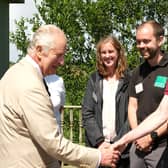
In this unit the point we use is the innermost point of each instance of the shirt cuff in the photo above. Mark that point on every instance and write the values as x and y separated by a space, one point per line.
98 163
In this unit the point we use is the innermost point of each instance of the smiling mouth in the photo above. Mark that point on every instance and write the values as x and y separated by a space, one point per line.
143 51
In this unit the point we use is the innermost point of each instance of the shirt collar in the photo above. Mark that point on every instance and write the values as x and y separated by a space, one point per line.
34 64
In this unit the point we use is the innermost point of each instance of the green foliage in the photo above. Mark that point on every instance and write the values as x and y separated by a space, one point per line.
19 38
85 22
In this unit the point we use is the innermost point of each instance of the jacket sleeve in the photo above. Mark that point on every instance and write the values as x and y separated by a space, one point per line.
38 117
122 106
94 135
122 120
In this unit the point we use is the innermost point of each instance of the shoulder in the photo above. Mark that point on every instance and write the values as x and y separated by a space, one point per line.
27 75
124 81
136 71
164 61
127 75
95 76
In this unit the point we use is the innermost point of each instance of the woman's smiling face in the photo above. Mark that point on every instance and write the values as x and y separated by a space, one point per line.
109 55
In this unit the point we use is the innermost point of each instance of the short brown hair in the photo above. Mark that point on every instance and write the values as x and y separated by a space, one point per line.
157 28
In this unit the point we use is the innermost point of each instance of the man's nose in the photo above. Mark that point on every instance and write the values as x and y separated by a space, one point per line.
141 44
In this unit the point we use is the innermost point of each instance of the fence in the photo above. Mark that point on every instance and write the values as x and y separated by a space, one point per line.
71 124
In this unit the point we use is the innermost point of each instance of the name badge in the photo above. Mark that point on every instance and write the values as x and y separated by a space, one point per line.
160 81
139 88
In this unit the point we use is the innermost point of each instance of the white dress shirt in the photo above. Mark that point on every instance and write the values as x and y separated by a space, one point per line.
56 88
109 109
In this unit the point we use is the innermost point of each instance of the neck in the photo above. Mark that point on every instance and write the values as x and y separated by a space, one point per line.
111 77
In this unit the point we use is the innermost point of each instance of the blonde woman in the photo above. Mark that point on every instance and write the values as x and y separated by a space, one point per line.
104 108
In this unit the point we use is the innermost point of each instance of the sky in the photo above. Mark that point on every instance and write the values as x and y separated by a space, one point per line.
16 11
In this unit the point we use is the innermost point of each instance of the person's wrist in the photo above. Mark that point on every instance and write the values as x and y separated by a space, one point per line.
154 136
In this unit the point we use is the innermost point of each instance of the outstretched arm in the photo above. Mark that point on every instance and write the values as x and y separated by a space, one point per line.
151 123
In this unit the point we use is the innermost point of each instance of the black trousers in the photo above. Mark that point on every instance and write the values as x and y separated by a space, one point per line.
163 163
123 163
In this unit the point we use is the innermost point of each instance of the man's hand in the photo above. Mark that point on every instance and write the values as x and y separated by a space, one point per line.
109 156
144 144
104 145
120 145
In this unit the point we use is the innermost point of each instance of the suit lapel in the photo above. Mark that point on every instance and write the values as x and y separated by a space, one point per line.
46 86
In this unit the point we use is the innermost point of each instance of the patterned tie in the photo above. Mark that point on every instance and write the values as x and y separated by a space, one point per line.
46 87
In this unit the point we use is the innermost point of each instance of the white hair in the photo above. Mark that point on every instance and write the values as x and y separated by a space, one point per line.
45 37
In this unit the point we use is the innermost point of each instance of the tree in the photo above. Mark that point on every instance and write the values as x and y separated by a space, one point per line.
85 22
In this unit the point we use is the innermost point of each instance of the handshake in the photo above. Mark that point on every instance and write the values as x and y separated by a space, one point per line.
110 153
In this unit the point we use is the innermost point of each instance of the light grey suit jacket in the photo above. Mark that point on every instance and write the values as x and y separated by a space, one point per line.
28 129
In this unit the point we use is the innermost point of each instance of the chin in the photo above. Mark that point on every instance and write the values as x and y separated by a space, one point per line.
146 56
50 73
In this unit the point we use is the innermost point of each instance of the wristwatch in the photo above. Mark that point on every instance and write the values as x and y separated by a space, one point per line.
154 136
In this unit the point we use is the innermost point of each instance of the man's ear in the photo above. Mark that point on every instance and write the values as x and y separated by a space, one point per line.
39 50
161 40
